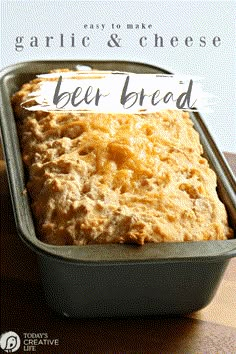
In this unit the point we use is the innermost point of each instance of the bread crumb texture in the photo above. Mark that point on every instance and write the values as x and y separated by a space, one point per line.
117 178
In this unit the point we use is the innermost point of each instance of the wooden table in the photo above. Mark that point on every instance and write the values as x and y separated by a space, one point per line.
211 330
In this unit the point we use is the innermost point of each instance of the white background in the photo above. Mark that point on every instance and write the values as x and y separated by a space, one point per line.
168 18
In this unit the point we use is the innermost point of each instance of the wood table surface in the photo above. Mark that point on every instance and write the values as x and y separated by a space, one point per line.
23 310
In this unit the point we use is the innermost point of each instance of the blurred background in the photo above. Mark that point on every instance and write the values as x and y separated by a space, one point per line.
83 29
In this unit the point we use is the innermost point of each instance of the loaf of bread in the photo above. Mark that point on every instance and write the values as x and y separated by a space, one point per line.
117 178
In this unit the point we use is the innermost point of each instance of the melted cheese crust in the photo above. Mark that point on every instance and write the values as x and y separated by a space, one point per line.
106 178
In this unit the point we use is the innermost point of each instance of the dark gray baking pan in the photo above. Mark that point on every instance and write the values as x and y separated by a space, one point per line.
117 280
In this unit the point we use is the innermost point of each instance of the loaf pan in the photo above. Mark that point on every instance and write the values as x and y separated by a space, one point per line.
117 280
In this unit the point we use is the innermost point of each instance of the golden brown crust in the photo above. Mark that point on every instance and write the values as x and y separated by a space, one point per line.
106 178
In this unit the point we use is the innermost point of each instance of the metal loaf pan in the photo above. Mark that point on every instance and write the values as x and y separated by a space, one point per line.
117 280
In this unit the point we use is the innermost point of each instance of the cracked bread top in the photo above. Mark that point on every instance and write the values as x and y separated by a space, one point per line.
117 178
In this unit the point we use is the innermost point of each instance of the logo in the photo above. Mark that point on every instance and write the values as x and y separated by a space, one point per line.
10 342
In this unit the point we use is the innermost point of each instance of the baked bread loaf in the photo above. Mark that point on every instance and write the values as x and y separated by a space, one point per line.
115 178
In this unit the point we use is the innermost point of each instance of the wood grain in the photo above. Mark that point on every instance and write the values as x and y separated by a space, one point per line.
211 330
